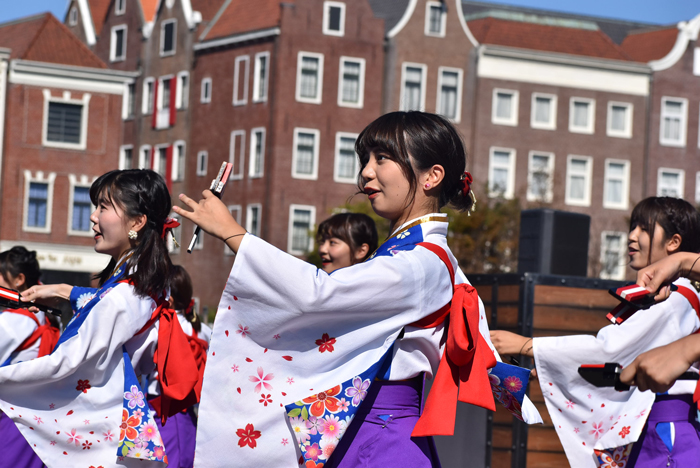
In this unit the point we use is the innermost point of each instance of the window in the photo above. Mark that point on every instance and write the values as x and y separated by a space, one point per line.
182 90
502 172
697 188
449 101
38 201
126 157
581 115
237 154
351 88
617 182
435 19
309 77
260 78
301 224
147 98
613 251
413 86
205 96
235 211
253 218
347 163
65 121
73 16
334 18
128 101
168 29
146 157
578 180
619 119
670 183
504 109
119 7
673 121
160 164
202 158
696 61
540 171
257 152
178 169
305 153
81 208
165 99
240 80
544 111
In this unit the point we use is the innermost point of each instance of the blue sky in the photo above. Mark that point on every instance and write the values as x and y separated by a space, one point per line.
651 11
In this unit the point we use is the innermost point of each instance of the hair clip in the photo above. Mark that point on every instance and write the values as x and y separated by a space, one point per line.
467 180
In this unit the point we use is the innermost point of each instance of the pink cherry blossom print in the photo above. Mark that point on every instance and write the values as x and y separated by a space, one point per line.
285 442
313 452
74 438
290 380
265 399
248 436
277 336
597 430
108 436
261 379
325 344
570 404
87 445
243 331
234 368
330 427
149 431
576 430
38 420
358 391
135 397
343 405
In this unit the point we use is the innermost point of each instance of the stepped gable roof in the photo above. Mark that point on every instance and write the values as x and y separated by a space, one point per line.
42 38
208 10
391 11
98 12
616 29
543 37
148 7
237 17
647 45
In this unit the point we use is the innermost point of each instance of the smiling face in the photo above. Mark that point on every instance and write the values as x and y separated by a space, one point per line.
111 228
639 244
386 186
335 254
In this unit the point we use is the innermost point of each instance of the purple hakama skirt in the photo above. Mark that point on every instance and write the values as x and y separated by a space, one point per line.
179 438
651 450
380 434
16 450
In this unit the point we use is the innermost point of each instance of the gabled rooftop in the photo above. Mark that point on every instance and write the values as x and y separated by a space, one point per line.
236 17
648 45
391 11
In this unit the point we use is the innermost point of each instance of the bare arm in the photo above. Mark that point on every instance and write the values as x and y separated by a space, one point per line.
658 276
511 343
48 294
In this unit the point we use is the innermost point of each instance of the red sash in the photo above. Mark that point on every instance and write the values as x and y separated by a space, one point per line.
46 333
695 303
462 374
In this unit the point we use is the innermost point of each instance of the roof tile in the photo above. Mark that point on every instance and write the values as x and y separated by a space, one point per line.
244 16
149 9
98 11
644 46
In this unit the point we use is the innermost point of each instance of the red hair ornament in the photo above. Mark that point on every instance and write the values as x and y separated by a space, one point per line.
467 181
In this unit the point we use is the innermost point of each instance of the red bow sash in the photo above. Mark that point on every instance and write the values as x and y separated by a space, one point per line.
462 374
49 335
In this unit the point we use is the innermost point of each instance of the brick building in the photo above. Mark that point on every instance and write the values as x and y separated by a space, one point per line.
60 128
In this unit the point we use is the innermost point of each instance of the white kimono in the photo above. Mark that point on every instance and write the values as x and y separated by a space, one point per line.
69 404
286 330
588 418
14 329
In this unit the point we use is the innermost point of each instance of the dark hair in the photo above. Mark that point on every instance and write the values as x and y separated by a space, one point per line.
674 215
417 141
181 292
354 229
18 260
140 192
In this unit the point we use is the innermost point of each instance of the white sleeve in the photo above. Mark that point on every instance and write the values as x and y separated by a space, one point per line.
14 329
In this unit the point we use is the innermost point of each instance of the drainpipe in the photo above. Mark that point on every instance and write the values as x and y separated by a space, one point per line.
647 137
4 62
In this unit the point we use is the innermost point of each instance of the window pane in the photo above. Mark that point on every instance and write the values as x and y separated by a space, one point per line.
500 180
168 36
128 158
351 82
38 199
672 128
309 77
162 161
581 114
578 166
64 122
614 191
301 225
254 222
119 46
180 154
435 19
82 207
501 158
262 74
257 156
305 153
611 254
166 94
673 108
347 158
448 94
618 118
412 86
334 18
504 105
543 109
577 187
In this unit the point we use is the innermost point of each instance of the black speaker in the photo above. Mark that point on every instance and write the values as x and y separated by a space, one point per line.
553 242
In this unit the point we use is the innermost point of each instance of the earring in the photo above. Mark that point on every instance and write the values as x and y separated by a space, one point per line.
427 185
133 234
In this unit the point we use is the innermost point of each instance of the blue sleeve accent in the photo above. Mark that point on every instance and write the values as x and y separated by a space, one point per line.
78 291
664 431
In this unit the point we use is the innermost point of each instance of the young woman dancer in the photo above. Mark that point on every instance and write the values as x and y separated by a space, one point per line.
295 351
82 405
345 239
589 419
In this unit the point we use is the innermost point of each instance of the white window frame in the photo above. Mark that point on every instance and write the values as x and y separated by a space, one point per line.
38 178
319 97
336 159
624 205
205 156
443 19
66 98
290 230
552 124
361 88
423 84
146 97
239 210
587 182
82 183
162 37
513 119
119 11
203 97
509 193
698 118
142 157
697 187
73 16
237 154
696 61
438 101
314 164
681 178
122 157
155 158
327 18
548 196
182 95
684 122
248 218
588 129
126 97
113 43
627 132
237 79
175 164
251 153
163 118
257 96
622 254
